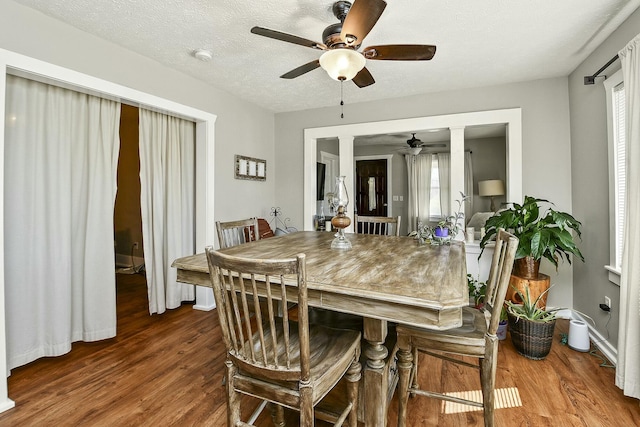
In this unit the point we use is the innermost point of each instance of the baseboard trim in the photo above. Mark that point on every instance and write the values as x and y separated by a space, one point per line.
601 342
204 307
7 404
124 261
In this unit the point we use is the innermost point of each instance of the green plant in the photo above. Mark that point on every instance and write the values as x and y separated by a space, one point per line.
529 309
542 233
477 290
503 313
453 223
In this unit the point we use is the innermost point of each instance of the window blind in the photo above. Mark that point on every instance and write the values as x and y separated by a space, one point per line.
618 99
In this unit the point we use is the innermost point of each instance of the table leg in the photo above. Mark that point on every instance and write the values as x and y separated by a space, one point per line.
375 376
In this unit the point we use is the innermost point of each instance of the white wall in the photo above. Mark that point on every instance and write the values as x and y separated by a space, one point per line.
545 151
240 127
590 180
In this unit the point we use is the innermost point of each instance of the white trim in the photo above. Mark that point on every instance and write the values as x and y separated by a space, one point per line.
597 339
13 63
609 84
614 274
511 117
389 159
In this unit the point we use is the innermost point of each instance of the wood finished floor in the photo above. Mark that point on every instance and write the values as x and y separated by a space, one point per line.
166 370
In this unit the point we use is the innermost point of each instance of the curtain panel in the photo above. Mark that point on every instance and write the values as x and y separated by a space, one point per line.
628 366
167 179
61 156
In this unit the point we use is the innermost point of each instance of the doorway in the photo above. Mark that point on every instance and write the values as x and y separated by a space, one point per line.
371 187
127 216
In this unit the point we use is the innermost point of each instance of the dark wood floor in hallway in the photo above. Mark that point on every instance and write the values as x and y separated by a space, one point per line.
166 370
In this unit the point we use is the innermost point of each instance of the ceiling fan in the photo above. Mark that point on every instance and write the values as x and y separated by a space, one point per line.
416 145
342 60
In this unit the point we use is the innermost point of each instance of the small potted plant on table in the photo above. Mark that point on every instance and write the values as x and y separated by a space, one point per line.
445 230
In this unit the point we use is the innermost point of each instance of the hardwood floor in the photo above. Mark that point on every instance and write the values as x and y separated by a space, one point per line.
166 370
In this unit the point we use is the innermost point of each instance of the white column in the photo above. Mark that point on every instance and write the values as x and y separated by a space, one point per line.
309 181
347 169
457 170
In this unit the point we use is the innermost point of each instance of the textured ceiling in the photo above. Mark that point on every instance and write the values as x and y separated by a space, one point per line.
479 43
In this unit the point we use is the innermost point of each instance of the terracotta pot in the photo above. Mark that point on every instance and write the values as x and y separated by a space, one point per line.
526 267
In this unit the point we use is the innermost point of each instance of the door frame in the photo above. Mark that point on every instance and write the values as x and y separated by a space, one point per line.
389 159
24 66
456 123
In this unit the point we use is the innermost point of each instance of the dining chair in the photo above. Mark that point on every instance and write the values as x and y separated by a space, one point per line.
289 363
232 233
380 225
476 338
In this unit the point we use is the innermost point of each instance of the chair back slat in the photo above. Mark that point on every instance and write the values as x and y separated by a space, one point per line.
499 275
272 316
285 323
258 314
259 339
232 233
246 315
380 225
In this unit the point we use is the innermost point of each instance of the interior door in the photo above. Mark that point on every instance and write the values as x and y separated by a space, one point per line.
371 187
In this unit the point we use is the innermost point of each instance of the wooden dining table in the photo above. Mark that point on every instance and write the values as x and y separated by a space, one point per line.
382 279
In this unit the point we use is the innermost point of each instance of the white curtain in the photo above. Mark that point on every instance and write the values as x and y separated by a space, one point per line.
468 183
167 179
444 173
419 188
61 157
628 366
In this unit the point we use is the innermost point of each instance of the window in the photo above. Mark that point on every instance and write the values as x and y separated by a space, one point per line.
435 208
617 170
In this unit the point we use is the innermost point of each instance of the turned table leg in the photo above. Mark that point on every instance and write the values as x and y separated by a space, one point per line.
375 377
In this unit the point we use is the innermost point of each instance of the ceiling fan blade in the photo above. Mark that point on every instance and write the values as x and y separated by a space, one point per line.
289 38
400 52
364 78
309 66
361 18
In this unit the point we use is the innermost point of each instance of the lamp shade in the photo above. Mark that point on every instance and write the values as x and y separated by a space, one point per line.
342 63
491 187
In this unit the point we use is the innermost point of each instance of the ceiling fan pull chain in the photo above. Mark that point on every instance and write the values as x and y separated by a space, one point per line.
341 99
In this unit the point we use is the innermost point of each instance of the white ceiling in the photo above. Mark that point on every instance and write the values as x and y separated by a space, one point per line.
479 43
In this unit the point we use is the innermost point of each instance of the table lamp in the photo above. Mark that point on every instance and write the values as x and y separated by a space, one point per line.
491 188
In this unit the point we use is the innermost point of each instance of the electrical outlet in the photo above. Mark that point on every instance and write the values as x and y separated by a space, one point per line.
607 302
135 245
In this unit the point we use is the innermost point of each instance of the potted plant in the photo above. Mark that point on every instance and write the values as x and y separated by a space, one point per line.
531 326
542 234
446 229
477 291
501 333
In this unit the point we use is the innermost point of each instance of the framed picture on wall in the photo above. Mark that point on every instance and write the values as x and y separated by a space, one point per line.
250 168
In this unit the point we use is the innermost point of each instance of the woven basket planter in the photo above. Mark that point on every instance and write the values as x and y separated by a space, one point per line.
531 339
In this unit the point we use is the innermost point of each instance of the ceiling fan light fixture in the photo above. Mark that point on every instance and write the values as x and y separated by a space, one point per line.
342 63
